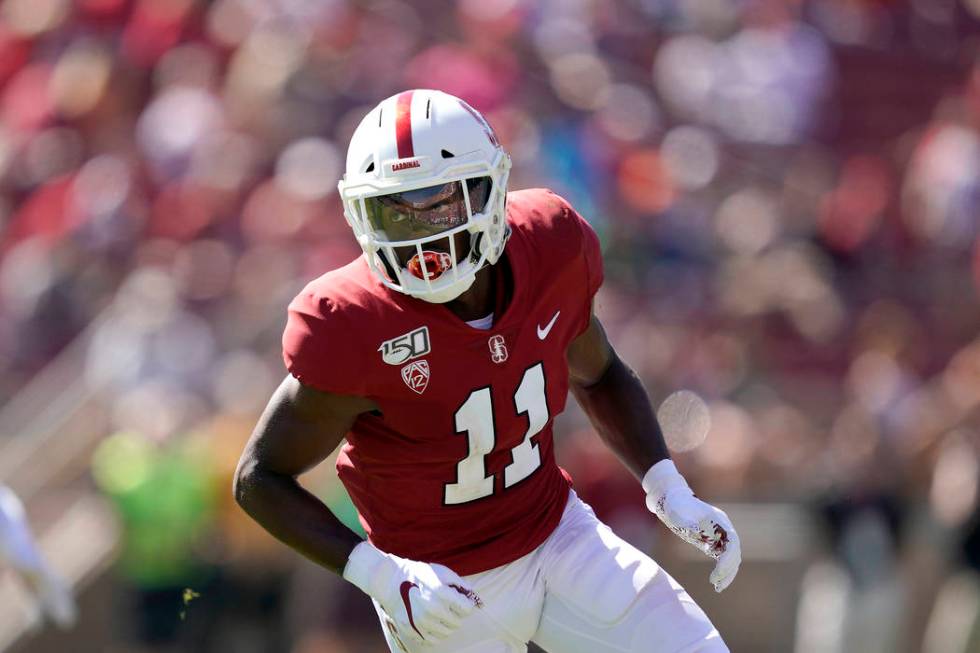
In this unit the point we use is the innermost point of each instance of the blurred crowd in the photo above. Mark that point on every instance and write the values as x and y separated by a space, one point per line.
787 193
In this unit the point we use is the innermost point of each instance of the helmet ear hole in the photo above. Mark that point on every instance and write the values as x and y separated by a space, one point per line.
370 167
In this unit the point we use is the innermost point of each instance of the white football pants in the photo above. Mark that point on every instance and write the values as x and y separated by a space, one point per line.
584 590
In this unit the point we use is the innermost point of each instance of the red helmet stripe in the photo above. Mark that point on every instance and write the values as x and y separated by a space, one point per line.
403 125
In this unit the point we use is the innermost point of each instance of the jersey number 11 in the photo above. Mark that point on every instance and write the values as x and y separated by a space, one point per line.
475 419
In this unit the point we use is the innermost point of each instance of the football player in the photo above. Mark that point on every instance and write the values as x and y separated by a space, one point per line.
443 354
17 548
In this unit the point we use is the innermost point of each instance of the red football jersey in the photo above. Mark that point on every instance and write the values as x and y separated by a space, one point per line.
459 466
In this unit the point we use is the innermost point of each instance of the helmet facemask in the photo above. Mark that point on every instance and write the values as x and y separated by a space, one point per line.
430 242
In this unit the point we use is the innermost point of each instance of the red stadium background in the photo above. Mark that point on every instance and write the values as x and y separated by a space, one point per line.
788 198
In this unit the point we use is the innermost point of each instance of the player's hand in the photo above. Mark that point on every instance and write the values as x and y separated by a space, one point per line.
709 529
425 602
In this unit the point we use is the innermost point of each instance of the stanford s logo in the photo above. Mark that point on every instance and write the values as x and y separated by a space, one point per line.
416 376
406 347
498 349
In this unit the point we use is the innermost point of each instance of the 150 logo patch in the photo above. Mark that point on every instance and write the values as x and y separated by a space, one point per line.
406 347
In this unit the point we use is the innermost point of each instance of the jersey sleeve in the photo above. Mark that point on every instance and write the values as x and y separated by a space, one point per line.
317 346
590 255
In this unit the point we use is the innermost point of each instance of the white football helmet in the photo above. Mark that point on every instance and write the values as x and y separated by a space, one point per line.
423 170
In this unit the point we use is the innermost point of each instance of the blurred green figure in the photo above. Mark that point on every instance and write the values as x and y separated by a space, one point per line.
165 497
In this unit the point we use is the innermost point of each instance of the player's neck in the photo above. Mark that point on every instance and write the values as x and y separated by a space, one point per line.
479 300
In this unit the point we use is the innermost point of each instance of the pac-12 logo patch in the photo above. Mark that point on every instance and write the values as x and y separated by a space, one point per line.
498 349
416 375
406 347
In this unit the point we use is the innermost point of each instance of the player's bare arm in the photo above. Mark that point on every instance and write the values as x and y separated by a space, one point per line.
300 427
614 398
618 406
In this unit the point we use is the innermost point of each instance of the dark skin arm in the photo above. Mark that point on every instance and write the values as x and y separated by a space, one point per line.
614 398
299 428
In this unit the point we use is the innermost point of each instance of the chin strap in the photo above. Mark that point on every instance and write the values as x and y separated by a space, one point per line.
447 294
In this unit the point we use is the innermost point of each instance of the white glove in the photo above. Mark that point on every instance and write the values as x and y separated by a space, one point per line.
709 529
17 547
425 602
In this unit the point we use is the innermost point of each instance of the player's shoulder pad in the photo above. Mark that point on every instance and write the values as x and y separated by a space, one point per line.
547 219
324 328
553 228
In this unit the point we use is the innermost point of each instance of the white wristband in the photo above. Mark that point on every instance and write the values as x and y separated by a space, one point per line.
662 477
364 567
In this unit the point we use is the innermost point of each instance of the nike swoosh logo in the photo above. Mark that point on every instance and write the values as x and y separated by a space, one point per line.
543 333
405 588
